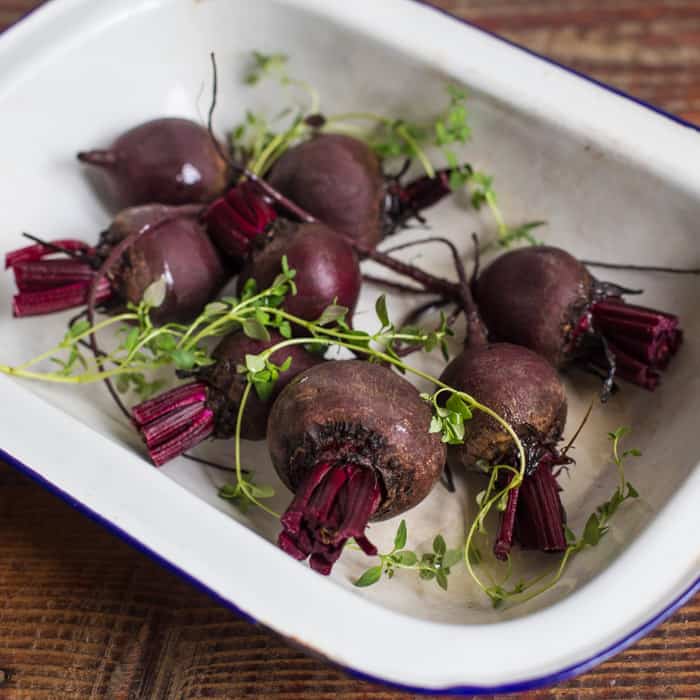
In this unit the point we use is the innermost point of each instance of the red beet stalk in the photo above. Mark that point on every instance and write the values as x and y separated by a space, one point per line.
540 518
405 202
534 513
45 286
174 421
642 340
333 504
235 220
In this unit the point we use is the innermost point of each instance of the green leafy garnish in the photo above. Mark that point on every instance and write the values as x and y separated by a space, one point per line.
435 565
595 529
260 144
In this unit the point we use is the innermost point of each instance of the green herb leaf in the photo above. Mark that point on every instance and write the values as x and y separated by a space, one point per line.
451 557
381 310
405 558
184 359
439 546
255 363
592 532
332 314
262 491
401 536
155 293
255 330
369 577
79 327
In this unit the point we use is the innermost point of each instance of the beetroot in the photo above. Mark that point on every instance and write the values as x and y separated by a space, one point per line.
181 418
326 266
351 440
525 390
171 245
247 228
339 180
169 161
543 298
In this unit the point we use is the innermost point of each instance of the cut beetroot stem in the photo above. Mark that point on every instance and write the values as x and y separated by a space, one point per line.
174 421
39 251
642 340
424 192
504 541
539 518
49 274
54 284
68 296
235 220
332 504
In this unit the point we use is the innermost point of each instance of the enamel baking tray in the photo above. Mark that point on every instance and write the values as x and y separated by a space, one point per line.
614 179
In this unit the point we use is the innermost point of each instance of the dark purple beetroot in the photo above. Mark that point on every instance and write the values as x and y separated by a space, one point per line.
172 244
339 180
169 161
516 383
525 390
351 440
178 251
326 266
181 418
543 298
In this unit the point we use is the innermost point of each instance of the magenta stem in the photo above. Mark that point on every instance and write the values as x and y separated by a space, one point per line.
174 421
504 540
642 341
331 505
39 250
539 521
67 296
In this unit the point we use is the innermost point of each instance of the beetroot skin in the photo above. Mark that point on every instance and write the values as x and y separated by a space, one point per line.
169 161
172 244
178 250
327 267
350 439
545 299
181 418
339 180
517 384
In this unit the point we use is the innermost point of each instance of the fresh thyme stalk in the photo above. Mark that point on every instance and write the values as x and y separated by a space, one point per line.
258 143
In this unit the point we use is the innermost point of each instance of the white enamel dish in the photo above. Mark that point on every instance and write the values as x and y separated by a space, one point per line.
614 180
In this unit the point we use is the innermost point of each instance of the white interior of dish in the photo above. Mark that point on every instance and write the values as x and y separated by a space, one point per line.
106 69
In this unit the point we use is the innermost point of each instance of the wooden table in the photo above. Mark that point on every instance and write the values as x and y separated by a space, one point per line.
82 615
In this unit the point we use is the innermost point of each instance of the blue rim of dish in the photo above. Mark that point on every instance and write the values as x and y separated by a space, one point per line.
519 686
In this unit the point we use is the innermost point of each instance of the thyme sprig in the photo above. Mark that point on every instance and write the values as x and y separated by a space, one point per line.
258 144
435 565
595 529
145 347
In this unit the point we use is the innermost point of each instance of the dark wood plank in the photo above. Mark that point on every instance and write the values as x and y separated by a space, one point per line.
82 615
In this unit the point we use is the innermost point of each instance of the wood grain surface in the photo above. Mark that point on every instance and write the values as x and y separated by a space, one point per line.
83 615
